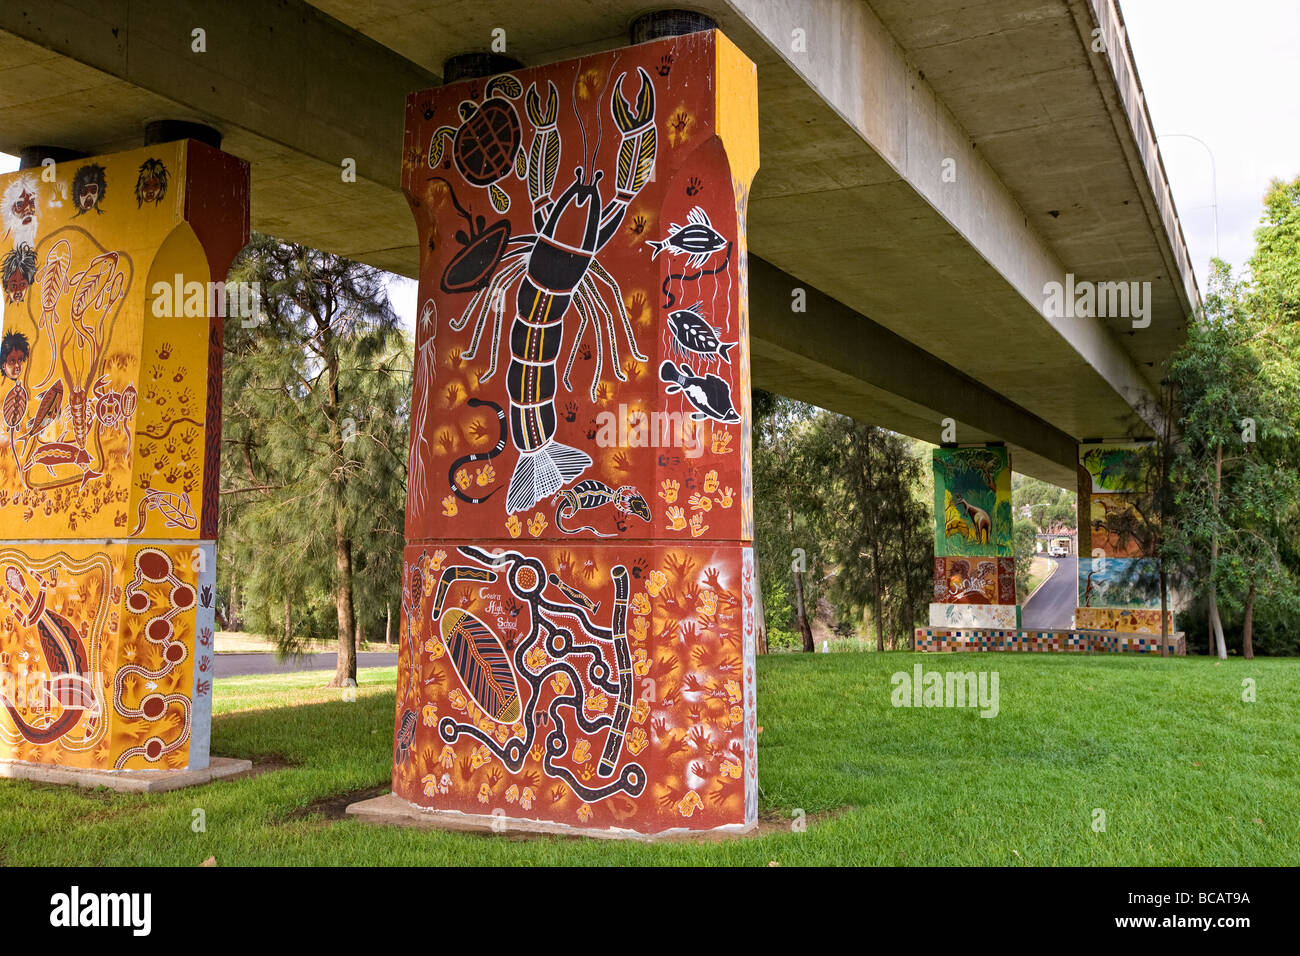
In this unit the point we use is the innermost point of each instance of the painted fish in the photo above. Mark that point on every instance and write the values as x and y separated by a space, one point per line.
50 407
64 453
481 663
697 238
710 394
14 406
691 333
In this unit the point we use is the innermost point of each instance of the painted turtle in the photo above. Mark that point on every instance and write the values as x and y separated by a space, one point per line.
485 146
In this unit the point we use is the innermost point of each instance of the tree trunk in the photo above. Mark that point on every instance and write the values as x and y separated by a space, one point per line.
388 623
1164 610
1248 625
1216 625
880 619
877 604
347 662
288 617
1215 620
801 614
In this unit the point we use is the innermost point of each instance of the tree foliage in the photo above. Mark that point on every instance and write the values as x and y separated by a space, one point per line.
1236 533
316 395
841 514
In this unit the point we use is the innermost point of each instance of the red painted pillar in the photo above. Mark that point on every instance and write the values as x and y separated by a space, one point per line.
577 620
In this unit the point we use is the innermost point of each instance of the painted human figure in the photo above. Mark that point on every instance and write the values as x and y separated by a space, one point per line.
19 212
88 188
18 272
14 352
151 186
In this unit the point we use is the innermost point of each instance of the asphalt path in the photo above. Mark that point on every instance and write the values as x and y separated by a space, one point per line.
1053 604
242 665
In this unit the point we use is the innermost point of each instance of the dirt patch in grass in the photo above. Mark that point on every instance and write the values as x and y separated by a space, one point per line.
335 807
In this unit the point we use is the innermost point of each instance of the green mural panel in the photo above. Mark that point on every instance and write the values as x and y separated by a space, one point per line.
972 502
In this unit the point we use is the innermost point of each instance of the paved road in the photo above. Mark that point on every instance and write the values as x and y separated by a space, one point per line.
1053 605
240 665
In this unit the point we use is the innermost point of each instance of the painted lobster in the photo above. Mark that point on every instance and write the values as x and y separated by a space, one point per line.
556 268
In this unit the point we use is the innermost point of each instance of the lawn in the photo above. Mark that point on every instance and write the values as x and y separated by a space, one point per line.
1186 772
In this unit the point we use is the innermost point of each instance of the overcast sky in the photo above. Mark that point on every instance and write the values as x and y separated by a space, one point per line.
1228 73
1225 72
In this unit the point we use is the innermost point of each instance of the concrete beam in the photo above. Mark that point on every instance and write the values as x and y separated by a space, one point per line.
841 360
286 84
850 59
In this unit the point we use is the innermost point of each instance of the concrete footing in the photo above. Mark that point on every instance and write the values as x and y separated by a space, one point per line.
392 810
124 781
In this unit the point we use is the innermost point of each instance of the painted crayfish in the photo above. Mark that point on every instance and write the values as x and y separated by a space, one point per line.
552 269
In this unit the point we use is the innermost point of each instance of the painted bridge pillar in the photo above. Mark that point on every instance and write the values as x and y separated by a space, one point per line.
974 548
109 453
577 620
1119 577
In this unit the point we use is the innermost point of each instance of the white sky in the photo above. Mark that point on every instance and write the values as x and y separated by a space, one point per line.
1226 72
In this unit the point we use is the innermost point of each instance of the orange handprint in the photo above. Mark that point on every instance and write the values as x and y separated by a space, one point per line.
701 502
676 518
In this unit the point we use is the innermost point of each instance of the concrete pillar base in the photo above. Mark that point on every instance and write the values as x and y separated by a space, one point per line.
392 810
124 781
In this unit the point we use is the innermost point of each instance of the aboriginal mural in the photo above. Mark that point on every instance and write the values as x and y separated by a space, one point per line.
578 623
108 455
1116 535
974 561
975 580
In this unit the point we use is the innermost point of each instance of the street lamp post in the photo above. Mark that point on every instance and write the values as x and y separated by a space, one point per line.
1214 181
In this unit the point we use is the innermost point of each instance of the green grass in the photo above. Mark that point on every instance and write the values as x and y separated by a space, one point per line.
1187 773
264 691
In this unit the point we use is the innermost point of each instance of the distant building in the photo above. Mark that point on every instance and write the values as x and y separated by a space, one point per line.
1057 541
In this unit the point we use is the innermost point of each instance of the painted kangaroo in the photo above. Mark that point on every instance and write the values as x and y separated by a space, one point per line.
979 519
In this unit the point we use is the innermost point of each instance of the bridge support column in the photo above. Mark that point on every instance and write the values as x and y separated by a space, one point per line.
109 453
1119 577
974 553
577 620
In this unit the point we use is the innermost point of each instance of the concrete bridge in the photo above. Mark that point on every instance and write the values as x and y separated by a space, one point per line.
929 168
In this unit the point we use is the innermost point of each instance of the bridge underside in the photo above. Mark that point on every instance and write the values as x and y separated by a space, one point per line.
924 291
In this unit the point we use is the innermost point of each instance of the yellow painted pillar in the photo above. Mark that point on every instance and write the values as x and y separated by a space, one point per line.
110 358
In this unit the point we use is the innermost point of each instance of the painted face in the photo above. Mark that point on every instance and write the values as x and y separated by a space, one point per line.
13 367
89 196
149 189
24 208
16 286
